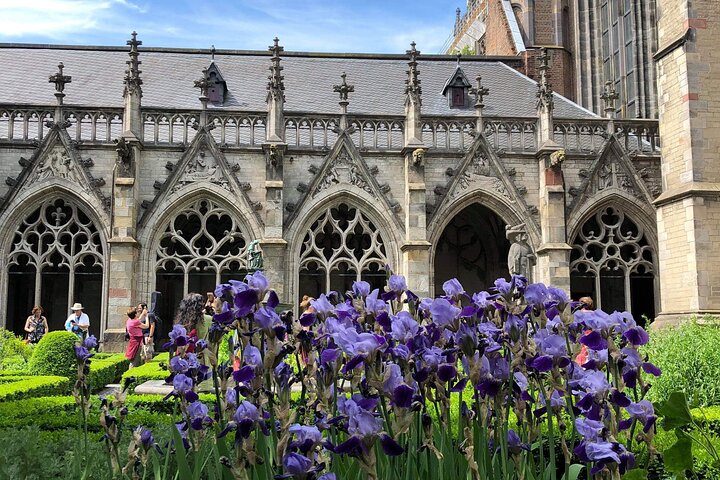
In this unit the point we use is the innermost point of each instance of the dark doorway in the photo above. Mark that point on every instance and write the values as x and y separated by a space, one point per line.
473 249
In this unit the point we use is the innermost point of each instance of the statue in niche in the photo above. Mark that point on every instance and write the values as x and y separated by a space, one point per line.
605 176
521 257
57 164
254 256
124 158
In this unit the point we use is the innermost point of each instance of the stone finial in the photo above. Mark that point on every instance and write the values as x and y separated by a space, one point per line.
276 86
412 84
608 97
545 92
59 79
343 89
203 84
479 92
212 53
132 73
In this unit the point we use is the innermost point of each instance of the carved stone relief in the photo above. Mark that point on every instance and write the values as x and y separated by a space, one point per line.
202 168
344 169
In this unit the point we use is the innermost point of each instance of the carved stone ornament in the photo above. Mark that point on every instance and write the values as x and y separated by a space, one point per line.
344 169
557 158
57 163
418 156
254 256
124 158
521 257
202 168
480 170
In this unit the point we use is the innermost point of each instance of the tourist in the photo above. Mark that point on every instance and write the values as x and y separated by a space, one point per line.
36 325
78 322
305 308
134 328
191 315
586 303
148 347
211 304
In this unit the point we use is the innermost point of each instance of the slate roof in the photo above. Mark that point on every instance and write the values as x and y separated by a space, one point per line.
168 76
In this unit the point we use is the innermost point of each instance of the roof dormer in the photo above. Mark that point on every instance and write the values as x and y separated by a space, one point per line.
217 90
457 89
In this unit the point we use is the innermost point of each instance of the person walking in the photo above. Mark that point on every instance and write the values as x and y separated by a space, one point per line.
36 325
134 327
78 322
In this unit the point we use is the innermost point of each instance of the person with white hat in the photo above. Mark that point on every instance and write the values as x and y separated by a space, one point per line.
78 322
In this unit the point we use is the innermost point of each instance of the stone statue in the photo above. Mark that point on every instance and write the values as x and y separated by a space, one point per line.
254 256
520 257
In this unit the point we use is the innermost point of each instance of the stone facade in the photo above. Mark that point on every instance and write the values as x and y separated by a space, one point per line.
688 211
172 190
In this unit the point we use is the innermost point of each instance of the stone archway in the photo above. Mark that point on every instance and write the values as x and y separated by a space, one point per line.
472 248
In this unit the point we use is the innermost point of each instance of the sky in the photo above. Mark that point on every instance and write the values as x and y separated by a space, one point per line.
372 26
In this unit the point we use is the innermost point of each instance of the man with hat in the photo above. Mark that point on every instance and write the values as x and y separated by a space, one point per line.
78 322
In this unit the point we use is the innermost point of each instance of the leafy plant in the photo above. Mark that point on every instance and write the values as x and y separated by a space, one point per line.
13 347
14 388
687 356
54 355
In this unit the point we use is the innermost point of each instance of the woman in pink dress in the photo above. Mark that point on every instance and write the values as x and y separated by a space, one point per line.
134 328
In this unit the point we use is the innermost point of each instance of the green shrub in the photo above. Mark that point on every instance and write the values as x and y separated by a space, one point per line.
153 370
33 386
13 348
106 369
687 355
54 355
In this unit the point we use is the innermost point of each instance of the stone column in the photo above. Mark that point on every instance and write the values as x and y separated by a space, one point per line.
124 255
553 254
688 210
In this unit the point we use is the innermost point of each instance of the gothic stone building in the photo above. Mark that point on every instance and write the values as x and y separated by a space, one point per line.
339 165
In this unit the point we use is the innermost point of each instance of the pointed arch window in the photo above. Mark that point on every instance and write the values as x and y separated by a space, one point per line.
56 259
340 247
612 262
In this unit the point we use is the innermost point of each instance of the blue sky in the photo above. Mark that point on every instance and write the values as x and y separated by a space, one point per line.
377 26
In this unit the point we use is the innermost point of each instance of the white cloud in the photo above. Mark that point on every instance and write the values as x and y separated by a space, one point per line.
57 19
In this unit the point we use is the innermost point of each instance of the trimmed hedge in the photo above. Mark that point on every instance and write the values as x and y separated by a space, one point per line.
106 369
16 388
58 413
54 355
153 370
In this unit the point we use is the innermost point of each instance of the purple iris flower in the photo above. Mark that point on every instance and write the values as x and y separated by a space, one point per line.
595 382
404 326
483 299
446 372
602 451
182 383
514 443
594 340
179 364
443 312
231 397
558 295
266 318
252 357
433 357
82 353
178 335
305 434
192 360
258 281
550 344
361 288
591 430
296 466
503 286
373 304
397 283
329 355
245 417
198 413
90 342
641 411
284 376
322 305
402 396
393 377
345 310
636 336
233 287
453 288
596 320
536 294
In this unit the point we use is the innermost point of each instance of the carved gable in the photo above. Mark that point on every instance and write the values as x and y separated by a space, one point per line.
612 171
203 162
57 161
482 169
344 166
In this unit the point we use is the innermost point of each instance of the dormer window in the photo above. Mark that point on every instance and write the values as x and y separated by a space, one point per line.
217 90
457 88
458 97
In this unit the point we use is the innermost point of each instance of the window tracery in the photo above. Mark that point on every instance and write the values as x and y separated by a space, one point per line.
56 259
341 246
612 261
203 244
